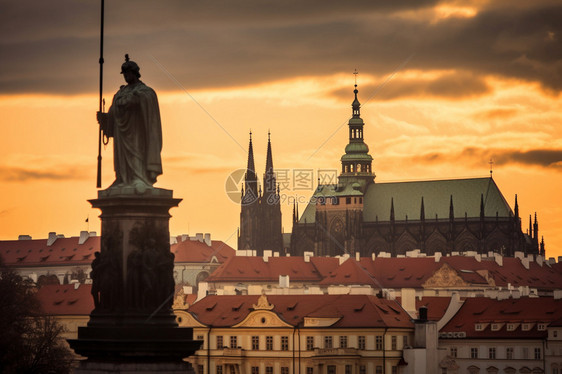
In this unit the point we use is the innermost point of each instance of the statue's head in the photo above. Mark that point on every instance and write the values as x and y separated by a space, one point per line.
130 66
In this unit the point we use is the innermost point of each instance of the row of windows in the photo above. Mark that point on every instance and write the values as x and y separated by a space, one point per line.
310 344
492 353
350 168
334 200
331 369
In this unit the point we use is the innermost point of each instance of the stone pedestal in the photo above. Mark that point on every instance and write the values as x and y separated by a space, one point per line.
133 328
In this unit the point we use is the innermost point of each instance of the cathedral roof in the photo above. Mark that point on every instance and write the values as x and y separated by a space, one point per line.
407 197
437 194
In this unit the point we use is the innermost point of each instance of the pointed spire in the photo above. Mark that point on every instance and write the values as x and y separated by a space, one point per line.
251 179
294 211
516 208
251 165
422 211
356 105
530 226
392 208
481 206
269 182
536 228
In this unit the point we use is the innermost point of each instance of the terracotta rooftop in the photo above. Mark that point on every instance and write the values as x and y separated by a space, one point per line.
65 299
196 251
245 268
69 251
37 252
352 310
505 314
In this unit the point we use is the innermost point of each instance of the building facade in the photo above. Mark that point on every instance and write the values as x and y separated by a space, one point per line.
316 334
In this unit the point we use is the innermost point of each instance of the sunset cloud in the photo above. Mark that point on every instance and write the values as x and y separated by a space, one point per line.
247 42
546 158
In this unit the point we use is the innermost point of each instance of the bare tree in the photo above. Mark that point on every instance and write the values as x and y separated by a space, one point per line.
30 341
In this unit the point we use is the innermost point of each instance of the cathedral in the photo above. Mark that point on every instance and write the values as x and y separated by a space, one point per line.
260 215
357 215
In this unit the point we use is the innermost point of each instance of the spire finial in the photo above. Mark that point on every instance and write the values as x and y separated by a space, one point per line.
356 73
491 162
268 135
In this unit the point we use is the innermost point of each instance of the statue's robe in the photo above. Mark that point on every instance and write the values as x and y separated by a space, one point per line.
134 123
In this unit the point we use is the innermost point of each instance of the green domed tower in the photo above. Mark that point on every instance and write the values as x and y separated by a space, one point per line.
356 162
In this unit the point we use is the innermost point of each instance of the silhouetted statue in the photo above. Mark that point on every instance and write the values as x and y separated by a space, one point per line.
133 121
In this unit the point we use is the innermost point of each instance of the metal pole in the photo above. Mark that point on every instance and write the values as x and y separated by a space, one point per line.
98 183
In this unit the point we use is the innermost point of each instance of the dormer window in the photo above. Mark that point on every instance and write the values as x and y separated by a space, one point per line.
541 327
479 327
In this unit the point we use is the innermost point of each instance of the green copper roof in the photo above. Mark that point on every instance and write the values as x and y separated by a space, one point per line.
357 147
436 195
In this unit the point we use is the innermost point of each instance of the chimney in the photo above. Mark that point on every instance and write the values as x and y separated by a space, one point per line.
307 256
208 239
84 235
423 314
52 238
498 258
266 255
24 237
284 281
438 256
357 256
199 237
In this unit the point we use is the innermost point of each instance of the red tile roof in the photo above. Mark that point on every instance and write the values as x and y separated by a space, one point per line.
194 251
488 311
64 299
36 252
354 311
68 251
436 306
245 268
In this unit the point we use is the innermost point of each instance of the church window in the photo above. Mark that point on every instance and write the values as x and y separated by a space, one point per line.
358 168
351 167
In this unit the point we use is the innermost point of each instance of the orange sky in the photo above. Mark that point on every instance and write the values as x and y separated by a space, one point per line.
430 113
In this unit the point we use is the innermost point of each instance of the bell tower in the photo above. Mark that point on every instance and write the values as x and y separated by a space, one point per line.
356 162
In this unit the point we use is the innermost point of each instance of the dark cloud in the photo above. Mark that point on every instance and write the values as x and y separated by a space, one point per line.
450 86
22 174
547 158
53 46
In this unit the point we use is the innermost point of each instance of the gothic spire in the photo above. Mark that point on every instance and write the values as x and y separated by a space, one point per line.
269 182
422 211
251 179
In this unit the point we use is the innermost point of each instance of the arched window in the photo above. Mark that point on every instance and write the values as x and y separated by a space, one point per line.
359 168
